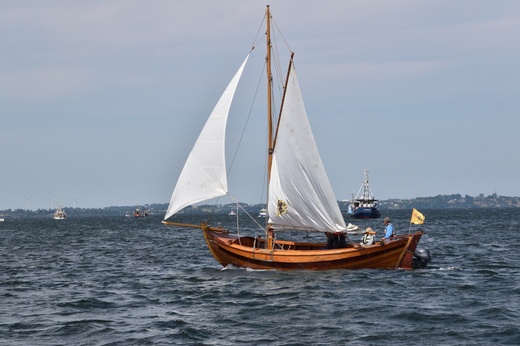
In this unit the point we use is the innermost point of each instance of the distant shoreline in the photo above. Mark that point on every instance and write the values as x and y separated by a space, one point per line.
455 201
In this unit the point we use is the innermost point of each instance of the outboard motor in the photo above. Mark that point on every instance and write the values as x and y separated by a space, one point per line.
421 258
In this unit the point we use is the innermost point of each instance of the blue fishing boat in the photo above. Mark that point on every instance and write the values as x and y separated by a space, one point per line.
364 205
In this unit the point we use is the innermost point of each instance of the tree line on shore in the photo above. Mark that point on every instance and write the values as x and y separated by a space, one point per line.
436 202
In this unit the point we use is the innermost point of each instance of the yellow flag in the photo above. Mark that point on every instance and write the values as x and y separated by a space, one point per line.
417 218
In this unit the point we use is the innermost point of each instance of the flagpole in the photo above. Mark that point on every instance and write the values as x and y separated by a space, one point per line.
417 218
410 228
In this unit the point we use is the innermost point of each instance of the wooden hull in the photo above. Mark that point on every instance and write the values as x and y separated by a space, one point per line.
248 252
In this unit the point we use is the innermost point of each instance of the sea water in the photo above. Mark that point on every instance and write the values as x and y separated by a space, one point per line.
125 281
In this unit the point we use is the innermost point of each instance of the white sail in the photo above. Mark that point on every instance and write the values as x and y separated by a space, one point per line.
204 174
300 194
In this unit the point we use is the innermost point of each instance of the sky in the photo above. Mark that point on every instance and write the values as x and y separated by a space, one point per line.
101 101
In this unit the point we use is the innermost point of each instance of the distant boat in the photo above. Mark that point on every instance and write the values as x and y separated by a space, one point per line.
139 213
262 213
59 214
300 196
365 205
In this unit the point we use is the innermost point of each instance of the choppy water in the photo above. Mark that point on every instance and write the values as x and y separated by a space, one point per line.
113 281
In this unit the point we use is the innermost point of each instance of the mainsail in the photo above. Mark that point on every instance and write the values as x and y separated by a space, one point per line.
300 194
204 174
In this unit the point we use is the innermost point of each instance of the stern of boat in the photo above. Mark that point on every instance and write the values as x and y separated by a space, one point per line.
413 241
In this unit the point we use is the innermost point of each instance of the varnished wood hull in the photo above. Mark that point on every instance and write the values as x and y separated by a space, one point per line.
246 252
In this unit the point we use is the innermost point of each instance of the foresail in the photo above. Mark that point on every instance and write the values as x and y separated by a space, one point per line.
300 194
204 174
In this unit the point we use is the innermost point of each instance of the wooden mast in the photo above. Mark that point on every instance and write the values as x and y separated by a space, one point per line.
269 95
270 232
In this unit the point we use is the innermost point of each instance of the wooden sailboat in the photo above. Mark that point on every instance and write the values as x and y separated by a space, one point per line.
300 197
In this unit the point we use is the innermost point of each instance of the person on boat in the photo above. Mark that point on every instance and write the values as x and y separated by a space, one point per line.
335 240
368 237
389 229
330 240
341 240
